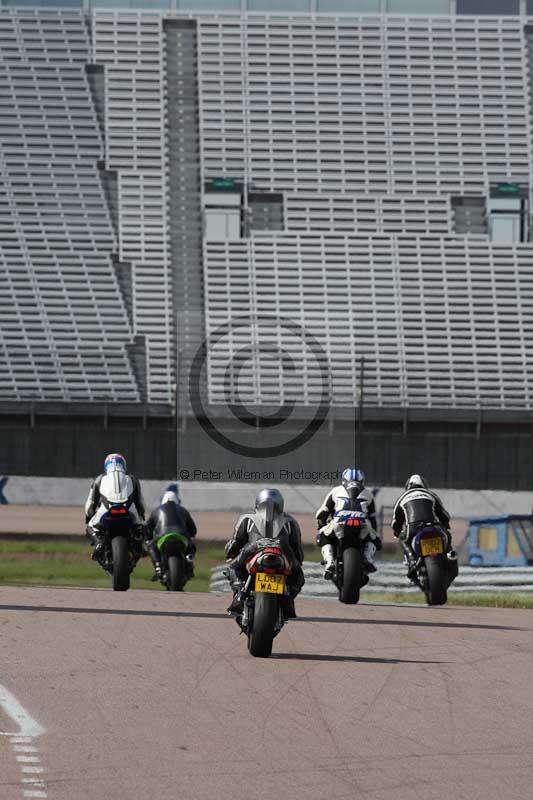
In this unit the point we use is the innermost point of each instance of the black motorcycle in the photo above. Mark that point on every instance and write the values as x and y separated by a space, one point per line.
430 566
176 566
122 547
349 575
264 593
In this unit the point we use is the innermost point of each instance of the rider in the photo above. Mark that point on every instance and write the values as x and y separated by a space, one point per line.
113 485
417 505
253 526
351 495
170 517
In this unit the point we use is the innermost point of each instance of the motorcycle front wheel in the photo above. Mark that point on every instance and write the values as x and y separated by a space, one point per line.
260 638
121 567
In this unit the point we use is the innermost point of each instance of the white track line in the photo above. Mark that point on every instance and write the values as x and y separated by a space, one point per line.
28 727
23 742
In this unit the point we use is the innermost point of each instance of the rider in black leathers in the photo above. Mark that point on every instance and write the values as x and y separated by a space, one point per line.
169 517
248 530
417 505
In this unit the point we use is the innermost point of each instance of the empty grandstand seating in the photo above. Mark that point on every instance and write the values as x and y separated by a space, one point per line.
384 135
63 321
365 148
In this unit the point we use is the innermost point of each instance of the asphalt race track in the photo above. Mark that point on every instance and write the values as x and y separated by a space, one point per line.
152 695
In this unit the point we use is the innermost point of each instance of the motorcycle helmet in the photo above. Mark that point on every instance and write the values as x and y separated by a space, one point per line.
353 480
416 482
271 500
170 497
268 506
114 461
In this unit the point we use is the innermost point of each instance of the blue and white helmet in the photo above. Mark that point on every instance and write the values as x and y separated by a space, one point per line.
353 479
113 462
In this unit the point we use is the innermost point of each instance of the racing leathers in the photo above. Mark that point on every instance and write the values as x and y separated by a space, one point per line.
416 507
331 514
115 486
248 530
169 517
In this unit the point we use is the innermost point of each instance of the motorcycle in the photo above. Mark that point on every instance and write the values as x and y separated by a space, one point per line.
122 549
176 564
430 566
349 576
263 616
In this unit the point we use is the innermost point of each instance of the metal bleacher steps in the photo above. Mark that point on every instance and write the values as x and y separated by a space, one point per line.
362 150
441 322
383 135
130 47
63 322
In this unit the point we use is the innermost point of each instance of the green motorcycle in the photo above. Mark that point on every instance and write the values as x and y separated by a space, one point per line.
176 561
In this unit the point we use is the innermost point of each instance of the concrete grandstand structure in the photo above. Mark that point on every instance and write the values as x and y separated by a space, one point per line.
366 175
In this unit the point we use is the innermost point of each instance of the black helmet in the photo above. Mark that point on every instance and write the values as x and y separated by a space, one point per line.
416 482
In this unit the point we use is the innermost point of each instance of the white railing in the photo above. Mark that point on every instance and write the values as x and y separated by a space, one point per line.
391 577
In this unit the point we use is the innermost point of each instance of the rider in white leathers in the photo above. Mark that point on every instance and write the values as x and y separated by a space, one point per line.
114 485
351 495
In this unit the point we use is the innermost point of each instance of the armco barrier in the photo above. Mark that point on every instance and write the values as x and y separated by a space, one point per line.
391 577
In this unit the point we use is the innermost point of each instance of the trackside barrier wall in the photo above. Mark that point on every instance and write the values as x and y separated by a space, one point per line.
224 496
392 578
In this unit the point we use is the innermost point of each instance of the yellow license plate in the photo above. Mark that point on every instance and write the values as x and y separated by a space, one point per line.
274 584
431 547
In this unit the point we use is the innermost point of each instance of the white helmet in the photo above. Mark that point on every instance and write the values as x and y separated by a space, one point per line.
170 497
416 482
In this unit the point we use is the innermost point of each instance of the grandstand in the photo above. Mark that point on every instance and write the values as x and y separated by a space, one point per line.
362 168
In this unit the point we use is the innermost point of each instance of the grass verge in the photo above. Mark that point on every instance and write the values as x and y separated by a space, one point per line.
488 600
24 562
27 562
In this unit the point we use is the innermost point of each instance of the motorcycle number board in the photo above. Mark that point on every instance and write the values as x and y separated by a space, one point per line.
431 547
273 584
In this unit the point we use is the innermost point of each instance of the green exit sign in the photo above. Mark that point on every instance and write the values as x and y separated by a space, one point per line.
509 188
223 183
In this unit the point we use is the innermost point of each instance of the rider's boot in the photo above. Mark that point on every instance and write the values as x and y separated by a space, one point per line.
287 607
189 558
98 544
452 564
329 561
237 604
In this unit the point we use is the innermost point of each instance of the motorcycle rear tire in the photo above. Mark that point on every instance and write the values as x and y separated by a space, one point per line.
260 638
175 579
121 567
351 576
437 577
